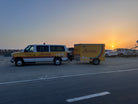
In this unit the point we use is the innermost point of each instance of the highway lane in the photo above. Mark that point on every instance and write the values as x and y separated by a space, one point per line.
9 72
123 88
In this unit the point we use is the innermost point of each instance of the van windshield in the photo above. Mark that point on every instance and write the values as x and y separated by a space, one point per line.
29 48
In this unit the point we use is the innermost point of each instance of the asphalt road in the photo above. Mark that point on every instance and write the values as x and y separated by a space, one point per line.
123 88
112 82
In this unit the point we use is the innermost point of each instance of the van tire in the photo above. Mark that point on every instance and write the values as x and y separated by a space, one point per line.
96 61
121 54
19 62
106 55
57 61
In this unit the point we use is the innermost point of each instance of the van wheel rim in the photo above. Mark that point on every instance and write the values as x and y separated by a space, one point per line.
19 63
57 62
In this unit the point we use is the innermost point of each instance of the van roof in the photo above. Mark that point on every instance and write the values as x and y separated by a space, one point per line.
46 44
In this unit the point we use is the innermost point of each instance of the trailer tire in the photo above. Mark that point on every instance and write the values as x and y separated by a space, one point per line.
96 61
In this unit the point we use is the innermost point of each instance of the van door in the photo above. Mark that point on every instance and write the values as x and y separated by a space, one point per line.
58 51
29 54
43 53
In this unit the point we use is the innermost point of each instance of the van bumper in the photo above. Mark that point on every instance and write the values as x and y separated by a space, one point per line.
12 60
64 59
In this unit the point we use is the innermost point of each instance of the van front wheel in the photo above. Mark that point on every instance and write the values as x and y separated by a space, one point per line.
57 61
96 61
19 62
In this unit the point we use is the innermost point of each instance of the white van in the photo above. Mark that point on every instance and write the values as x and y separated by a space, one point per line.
41 53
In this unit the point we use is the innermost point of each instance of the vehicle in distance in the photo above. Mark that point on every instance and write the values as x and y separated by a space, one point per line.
92 53
109 53
125 52
40 53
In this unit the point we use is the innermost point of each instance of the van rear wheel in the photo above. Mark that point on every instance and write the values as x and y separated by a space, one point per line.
57 61
96 61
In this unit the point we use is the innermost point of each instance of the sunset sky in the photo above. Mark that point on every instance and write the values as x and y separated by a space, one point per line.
112 22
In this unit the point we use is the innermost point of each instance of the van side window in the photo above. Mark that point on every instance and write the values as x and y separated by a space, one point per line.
57 48
42 49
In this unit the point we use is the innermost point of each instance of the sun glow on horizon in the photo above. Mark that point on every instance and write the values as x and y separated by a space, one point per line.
113 46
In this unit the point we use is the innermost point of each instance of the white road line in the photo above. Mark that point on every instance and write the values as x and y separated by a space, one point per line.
21 81
106 72
87 97
67 76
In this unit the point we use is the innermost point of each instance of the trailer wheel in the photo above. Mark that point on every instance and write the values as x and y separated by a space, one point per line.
96 61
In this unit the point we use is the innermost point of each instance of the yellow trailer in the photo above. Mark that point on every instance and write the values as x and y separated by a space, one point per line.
93 53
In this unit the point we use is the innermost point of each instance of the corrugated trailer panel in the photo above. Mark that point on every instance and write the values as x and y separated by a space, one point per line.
77 52
88 52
